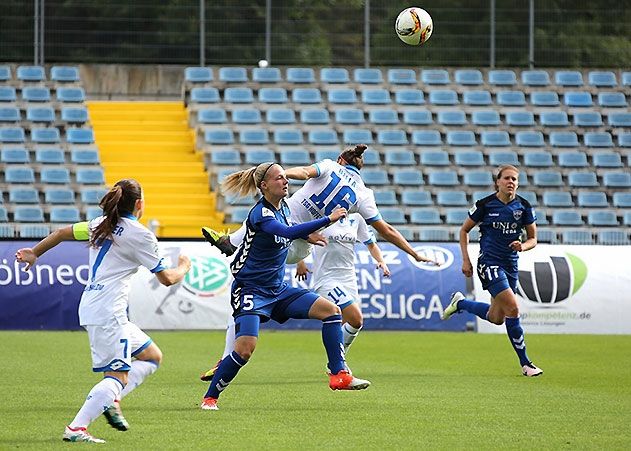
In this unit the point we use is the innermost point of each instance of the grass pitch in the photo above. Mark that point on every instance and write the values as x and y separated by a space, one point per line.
430 391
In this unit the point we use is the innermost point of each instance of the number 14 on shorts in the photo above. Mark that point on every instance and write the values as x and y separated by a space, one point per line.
338 296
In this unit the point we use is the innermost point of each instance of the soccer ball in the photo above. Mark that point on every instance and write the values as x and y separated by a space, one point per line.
414 26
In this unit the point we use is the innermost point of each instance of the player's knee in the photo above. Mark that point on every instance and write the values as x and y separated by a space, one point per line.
157 356
354 319
333 310
512 311
497 319
245 353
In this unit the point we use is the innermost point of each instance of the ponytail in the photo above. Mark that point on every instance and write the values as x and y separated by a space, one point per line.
245 183
119 200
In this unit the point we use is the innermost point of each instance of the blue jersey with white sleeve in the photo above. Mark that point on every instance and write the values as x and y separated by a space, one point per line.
501 224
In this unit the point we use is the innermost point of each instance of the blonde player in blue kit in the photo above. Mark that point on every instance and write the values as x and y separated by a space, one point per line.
119 245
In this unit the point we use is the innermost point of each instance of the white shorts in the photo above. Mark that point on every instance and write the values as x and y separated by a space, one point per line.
298 250
113 345
341 294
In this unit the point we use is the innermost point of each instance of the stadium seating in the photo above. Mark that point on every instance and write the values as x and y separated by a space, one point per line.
64 74
349 116
334 75
477 98
198 74
417 117
233 74
9 114
212 116
367 76
435 77
535 78
300 75
266 75
30 73
383 117
544 98
468 77
502 77
511 98
401 77
288 116
314 116
409 97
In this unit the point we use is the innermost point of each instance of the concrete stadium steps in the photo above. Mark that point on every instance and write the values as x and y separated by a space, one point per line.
151 142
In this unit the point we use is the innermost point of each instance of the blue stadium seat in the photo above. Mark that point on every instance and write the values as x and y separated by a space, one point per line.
241 95
621 199
538 159
349 116
323 137
70 95
300 75
495 138
577 99
530 196
286 137
401 77
588 119
376 96
443 97
315 116
4 217
434 158
452 199
626 218
10 114
613 237
239 214
84 156
23 196
520 118
246 116
64 74
544 98
357 136
502 77
393 215
266 75
478 178
12 135
243 201
386 197
503 157
554 119
477 98
435 77
408 177
434 235
67 215
606 218
90 176
607 159
555 199
547 178
49 155
286 116
456 216
334 75
392 137
535 78
416 197
485 118
443 178
254 136
568 78
342 96
580 236
612 99
14 155
563 139
461 138
582 179
511 98
400 158
384 116
426 138
567 218
79 135
205 95
198 74
31 73
468 158
19 174
46 135
233 74
367 76
74 115
6 230
598 139
93 212
529 139
7 94
255 156
55 176
36 94
624 139
219 136
469 77
212 116
33 231
306 95
425 216
454 117
28 214
409 97
602 79
295 157
619 119
5 73
592 199
626 79
417 117
225 157
59 196
371 158
617 179
375 177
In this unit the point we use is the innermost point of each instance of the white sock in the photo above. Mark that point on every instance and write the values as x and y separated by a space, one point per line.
229 338
140 369
349 333
236 237
100 398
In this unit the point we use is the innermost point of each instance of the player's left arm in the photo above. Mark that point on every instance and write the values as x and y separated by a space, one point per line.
531 239
302 172
28 255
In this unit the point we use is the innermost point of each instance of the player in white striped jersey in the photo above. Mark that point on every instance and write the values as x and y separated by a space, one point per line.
119 245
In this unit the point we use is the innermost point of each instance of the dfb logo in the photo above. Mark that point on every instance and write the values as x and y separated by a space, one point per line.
437 253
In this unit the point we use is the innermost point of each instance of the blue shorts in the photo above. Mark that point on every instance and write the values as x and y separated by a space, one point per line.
496 278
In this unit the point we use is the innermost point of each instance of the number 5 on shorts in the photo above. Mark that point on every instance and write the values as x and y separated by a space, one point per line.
248 302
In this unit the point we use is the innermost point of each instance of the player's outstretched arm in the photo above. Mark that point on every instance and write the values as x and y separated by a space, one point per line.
30 255
375 251
301 173
175 275
392 235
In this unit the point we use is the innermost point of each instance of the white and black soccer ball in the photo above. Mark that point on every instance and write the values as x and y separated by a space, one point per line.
414 26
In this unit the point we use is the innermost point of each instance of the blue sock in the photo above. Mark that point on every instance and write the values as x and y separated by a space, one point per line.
516 337
334 342
479 309
227 371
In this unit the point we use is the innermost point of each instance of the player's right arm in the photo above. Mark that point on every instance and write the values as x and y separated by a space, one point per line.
171 276
467 267
302 172
28 255
392 235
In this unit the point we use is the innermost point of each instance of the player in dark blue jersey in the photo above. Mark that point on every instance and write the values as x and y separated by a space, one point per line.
259 292
502 217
